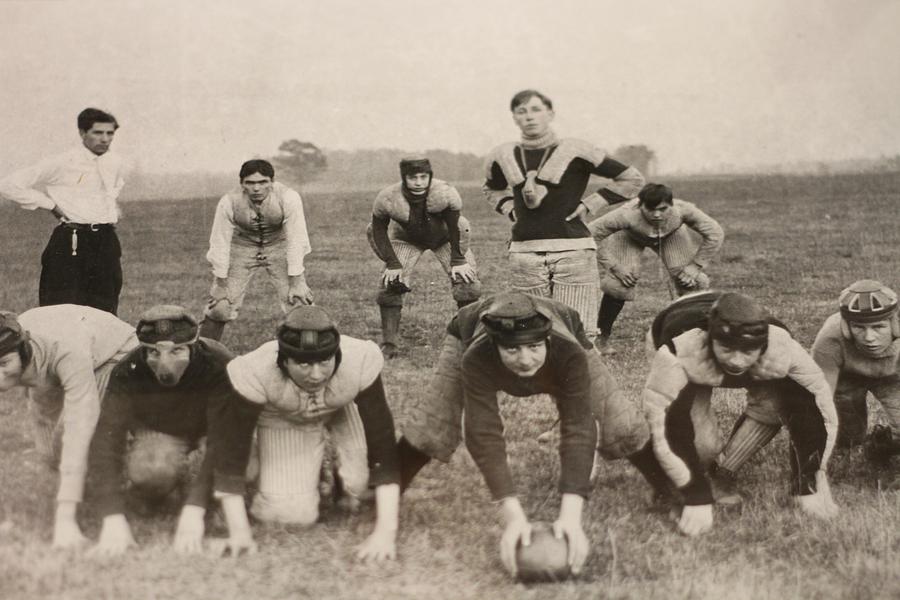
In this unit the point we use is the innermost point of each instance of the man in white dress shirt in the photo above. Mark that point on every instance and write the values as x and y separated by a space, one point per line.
82 261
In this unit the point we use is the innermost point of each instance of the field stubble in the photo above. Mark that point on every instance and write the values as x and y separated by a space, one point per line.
791 242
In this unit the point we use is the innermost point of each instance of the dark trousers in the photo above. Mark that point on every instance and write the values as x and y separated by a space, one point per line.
91 276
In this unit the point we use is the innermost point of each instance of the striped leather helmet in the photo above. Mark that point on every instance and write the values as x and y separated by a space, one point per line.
867 301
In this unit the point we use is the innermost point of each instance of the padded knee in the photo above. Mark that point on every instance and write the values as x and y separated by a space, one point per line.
466 292
294 509
612 286
220 310
155 469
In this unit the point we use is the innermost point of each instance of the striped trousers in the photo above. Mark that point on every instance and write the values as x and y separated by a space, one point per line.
290 460
675 250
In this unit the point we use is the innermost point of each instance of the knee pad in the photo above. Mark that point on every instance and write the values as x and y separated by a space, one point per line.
612 286
293 509
466 293
220 310
154 470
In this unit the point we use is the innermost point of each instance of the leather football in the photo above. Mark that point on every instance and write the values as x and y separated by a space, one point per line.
545 559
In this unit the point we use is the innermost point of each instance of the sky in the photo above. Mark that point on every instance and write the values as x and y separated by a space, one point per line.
205 85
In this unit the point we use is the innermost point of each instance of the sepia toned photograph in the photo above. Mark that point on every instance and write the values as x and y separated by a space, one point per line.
441 300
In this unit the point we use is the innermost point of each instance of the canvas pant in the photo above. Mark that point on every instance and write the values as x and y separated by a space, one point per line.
290 460
853 413
675 250
433 422
570 276
91 276
246 260
409 254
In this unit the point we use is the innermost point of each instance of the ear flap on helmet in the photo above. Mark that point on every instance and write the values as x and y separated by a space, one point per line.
895 326
845 330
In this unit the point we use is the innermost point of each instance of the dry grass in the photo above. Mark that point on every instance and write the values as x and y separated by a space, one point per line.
792 242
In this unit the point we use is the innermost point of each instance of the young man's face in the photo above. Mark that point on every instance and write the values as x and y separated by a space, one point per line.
872 338
10 370
656 215
734 361
168 361
524 359
257 186
417 183
98 138
310 376
533 117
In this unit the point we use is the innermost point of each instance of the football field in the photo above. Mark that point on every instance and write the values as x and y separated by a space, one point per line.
791 242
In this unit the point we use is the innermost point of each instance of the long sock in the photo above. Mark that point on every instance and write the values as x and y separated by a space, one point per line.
748 437
645 461
411 462
609 310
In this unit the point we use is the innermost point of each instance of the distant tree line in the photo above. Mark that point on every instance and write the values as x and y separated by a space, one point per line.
301 162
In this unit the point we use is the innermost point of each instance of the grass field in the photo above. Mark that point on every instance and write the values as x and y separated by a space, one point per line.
791 242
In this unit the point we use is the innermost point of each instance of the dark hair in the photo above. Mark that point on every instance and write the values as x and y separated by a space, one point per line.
89 116
257 165
25 353
654 194
526 95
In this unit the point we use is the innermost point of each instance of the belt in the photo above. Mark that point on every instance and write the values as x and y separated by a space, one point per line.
87 226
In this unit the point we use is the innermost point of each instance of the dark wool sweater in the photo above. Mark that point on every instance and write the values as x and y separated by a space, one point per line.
564 376
548 221
135 400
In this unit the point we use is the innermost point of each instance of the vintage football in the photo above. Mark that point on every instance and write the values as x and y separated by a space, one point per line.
545 559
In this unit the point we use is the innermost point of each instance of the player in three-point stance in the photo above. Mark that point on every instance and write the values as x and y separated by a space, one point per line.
713 340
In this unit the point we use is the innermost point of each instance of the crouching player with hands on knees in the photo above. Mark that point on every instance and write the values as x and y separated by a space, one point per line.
735 345
257 227
64 355
309 380
858 348
164 396
410 217
523 345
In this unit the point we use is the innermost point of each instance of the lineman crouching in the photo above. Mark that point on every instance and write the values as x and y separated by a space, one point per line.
858 348
735 346
163 397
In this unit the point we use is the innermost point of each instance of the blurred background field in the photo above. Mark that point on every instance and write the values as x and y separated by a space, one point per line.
792 241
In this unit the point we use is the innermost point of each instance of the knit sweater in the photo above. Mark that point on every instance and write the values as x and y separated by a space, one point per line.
428 221
564 376
836 354
565 174
628 218
135 400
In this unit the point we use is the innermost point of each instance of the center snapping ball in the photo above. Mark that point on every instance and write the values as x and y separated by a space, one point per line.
545 559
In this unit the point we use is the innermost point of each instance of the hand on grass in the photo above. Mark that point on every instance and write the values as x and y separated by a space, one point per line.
380 545
820 505
687 277
189 532
696 520
115 537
